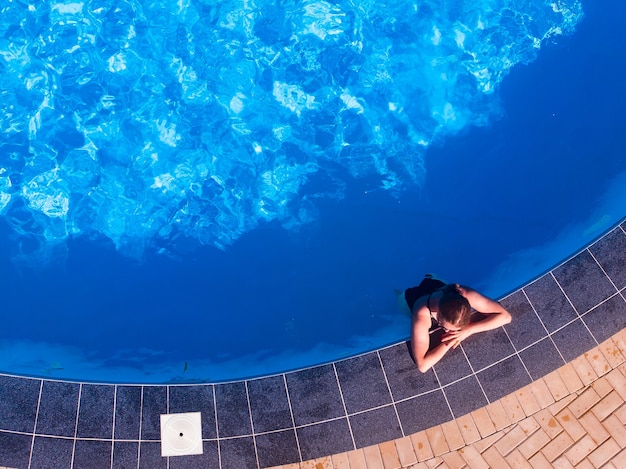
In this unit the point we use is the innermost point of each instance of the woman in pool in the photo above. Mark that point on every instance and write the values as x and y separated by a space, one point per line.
457 310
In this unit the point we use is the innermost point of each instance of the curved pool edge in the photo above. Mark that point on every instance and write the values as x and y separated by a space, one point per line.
328 409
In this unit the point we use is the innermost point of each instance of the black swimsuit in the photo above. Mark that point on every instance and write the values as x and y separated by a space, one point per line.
428 286
428 301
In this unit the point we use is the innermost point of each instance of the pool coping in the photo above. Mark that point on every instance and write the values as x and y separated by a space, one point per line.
333 408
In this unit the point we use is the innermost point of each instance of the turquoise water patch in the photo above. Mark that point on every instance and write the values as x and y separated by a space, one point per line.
143 122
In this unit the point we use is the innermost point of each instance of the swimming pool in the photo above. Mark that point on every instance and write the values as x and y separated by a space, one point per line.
205 193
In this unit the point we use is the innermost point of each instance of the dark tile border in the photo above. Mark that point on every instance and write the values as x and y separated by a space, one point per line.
331 408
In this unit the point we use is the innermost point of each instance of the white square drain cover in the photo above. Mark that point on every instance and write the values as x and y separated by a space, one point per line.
181 434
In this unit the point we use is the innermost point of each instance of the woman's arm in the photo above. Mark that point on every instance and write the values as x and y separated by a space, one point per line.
420 342
495 316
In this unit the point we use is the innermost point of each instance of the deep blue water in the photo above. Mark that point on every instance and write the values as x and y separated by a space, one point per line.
287 251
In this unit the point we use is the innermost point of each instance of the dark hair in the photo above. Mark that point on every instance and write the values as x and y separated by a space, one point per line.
454 307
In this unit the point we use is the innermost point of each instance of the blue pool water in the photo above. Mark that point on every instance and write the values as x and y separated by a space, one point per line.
216 190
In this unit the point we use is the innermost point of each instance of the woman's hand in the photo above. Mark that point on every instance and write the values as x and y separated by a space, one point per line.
454 338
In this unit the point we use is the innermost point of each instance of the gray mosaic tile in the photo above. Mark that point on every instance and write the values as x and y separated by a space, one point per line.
58 409
404 378
197 398
610 252
277 448
503 378
233 414
607 318
314 395
422 412
237 453
550 303
150 456
487 347
573 340
208 459
51 453
18 403
95 416
324 438
525 327
125 454
127 412
154 403
541 358
363 383
15 449
269 404
465 396
92 454
584 282
452 367
375 426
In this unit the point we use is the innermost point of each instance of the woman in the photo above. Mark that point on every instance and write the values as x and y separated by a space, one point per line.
449 307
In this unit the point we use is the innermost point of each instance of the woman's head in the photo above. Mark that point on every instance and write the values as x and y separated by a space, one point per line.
454 308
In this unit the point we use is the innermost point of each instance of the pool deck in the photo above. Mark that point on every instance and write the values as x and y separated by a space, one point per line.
547 391
574 416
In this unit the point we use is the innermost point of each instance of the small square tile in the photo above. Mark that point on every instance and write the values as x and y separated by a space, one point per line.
423 412
525 327
375 426
127 412
269 404
154 403
362 382
233 414
503 378
58 409
607 319
314 395
125 454
584 282
573 340
237 453
610 252
51 453
325 438
541 358
95 416
209 458
404 378
196 398
93 454
277 448
465 396
15 449
550 303
488 347
18 406
453 366
150 455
